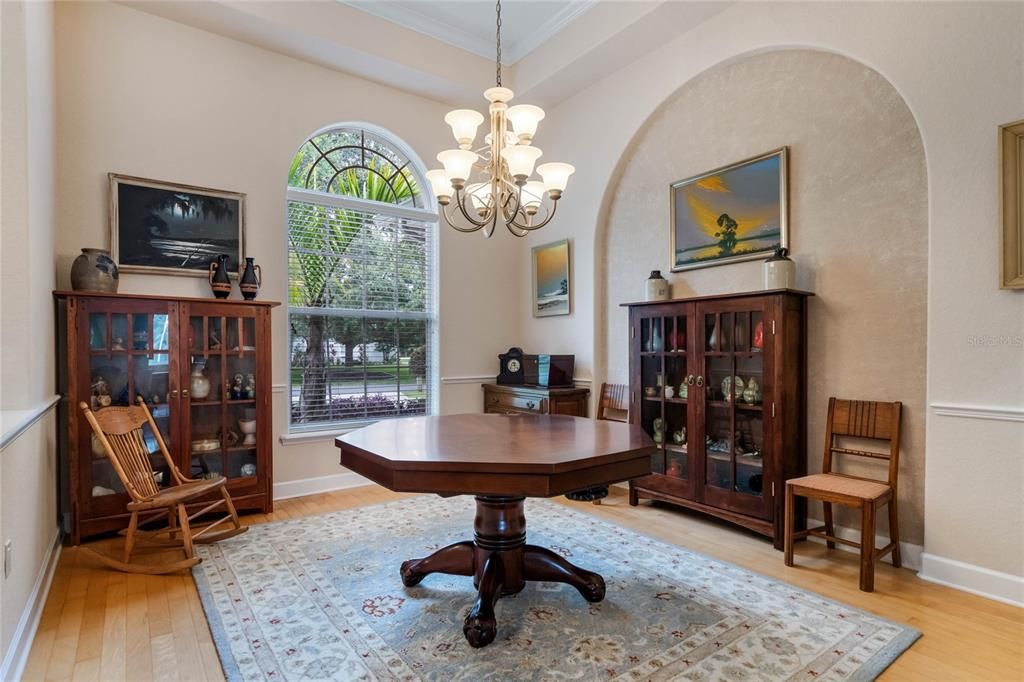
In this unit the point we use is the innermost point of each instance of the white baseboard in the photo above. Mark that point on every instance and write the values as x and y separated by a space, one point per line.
321 484
978 580
17 653
910 553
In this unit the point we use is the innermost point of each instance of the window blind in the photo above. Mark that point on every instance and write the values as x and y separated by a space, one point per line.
360 309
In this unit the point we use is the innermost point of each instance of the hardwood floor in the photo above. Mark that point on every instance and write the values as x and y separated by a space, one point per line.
102 625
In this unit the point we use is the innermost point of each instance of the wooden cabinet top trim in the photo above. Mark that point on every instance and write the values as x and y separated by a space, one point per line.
147 297
712 297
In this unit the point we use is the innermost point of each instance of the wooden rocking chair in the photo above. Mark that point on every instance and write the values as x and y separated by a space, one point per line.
119 429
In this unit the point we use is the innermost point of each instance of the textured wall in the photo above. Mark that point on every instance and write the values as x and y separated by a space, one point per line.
858 221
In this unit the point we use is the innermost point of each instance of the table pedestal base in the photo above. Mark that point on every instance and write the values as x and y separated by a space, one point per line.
500 562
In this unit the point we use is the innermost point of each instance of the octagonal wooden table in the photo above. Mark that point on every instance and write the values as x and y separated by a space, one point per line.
501 460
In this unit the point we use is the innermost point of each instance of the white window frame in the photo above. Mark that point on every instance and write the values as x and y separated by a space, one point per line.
297 433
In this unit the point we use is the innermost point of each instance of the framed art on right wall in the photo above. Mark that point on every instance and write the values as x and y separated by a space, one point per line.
734 213
1011 147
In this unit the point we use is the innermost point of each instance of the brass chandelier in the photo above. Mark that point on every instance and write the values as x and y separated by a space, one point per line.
502 190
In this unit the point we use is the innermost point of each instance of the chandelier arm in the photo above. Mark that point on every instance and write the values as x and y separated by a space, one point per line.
460 199
531 228
515 230
455 225
518 195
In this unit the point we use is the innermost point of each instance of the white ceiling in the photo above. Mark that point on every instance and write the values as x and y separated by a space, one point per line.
469 24
594 38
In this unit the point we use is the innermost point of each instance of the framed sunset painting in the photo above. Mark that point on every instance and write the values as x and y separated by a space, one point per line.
552 281
734 213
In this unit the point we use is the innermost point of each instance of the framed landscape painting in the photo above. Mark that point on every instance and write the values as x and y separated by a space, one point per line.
734 213
164 228
551 279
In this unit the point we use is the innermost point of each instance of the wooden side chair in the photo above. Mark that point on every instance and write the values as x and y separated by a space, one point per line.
876 421
119 429
613 405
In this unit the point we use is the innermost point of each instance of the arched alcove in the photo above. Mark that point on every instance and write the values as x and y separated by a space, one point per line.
858 221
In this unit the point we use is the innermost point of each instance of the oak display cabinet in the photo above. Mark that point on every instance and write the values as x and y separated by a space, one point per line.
114 348
725 379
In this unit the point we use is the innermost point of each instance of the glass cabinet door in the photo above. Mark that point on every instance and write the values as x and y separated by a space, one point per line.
220 390
128 357
733 378
666 383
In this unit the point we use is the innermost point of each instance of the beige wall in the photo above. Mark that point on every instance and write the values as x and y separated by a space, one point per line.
28 507
858 227
945 60
146 96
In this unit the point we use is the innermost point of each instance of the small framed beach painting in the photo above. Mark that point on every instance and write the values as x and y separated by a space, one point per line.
552 280
163 228
734 213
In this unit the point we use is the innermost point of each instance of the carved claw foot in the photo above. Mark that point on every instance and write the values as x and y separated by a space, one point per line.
410 577
480 626
540 563
594 589
454 559
480 630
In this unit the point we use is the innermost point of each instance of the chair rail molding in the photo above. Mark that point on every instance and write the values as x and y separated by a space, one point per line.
16 422
974 411
471 379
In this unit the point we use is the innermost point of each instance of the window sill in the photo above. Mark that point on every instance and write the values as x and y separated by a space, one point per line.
301 437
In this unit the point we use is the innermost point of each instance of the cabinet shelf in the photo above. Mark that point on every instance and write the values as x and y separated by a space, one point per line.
204 403
741 460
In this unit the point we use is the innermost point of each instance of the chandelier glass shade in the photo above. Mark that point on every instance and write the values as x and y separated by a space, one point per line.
480 188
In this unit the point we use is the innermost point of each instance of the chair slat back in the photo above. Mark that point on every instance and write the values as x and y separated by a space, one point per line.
119 429
614 397
865 419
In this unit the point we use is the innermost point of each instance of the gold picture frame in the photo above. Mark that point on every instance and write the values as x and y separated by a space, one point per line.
160 237
1011 163
761 182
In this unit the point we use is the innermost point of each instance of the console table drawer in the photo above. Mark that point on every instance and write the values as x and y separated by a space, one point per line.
504 399
500 402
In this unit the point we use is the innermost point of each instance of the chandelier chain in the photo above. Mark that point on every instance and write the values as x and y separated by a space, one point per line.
497 42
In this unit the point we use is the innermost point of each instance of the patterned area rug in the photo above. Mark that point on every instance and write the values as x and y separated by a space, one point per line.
320 598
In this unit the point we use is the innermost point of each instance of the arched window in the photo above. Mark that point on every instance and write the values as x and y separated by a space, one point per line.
361 280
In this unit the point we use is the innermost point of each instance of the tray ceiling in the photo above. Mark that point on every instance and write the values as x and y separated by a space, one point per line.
469 24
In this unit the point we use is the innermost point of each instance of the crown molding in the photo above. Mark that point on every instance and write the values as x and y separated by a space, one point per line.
483 46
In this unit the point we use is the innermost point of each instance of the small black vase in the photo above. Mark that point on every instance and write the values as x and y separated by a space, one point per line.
219 281
250 279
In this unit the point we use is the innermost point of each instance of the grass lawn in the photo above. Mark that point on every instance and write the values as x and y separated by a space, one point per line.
379 373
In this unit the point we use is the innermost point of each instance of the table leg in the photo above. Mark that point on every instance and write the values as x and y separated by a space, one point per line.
540 563
500 562
480 626
454 559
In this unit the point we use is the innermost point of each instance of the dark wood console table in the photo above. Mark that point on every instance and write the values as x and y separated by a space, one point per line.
527 399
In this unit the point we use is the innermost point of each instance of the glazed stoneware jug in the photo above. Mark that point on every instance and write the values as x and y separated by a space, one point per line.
250 279
94 270
220 283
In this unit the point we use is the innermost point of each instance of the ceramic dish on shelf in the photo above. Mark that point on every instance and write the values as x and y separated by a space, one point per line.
205 445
